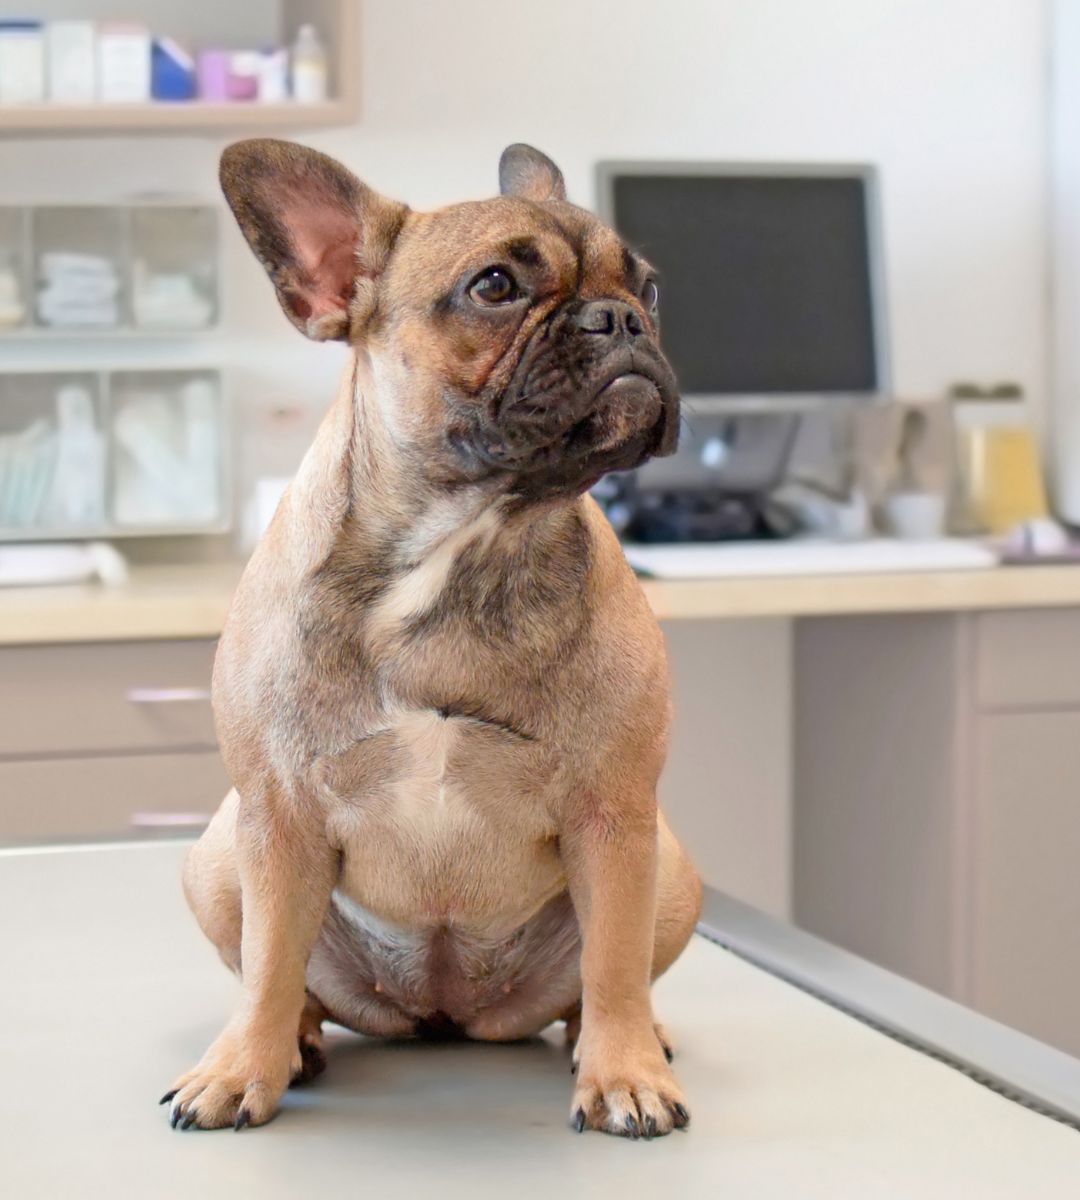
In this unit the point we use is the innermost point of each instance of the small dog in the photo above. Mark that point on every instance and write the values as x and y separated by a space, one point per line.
440 693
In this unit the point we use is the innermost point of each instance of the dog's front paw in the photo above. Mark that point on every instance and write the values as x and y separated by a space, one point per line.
627 1088
234 1085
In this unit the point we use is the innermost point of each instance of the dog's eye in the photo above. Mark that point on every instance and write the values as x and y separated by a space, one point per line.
650 295
493 286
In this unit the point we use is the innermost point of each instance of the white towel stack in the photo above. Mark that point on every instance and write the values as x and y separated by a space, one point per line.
168 300
78 290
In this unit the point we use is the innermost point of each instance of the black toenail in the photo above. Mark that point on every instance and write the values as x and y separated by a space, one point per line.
632 1126
650 1127
168 1096
188 1121
579 1120
682 1116
243 1117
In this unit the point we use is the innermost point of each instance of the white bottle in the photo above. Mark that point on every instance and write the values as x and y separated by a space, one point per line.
273 76
309 70
78 494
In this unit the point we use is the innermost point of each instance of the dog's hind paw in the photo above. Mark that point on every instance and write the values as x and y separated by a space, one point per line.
312 1061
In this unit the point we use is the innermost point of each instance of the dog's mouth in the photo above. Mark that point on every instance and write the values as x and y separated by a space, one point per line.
624 407
577 407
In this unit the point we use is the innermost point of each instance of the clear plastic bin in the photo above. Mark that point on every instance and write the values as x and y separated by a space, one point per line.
15 284
53 466
167 435
173 267
80 257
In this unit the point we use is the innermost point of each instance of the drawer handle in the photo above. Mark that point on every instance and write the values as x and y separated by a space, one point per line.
167 695
169 820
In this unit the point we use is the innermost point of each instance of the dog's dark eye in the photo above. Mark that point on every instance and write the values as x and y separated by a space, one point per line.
493 286
650 295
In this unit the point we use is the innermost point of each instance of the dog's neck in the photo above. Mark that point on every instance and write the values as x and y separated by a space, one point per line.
394 500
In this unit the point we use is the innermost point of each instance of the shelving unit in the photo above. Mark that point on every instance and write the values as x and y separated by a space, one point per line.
338 23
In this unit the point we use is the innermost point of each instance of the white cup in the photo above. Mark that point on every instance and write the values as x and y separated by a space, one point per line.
914 516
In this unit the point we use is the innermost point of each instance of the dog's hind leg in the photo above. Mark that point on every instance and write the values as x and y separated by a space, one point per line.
212 883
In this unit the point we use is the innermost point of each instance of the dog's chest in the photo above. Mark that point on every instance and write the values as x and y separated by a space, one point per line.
449 822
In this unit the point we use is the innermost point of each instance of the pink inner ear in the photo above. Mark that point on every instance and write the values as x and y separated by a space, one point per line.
324 241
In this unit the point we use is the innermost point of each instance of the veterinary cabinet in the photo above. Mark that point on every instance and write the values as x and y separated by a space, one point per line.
106 740
937 804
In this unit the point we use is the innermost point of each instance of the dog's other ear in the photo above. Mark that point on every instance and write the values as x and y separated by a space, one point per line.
527 172
321 234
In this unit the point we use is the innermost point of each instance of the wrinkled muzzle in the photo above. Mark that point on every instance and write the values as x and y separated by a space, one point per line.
592 393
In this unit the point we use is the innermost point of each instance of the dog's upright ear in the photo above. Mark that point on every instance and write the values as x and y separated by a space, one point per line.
322 235
527 172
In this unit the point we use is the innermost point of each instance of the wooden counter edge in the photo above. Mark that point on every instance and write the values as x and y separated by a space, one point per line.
191 602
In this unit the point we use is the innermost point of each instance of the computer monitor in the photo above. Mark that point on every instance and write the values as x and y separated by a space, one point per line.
770 276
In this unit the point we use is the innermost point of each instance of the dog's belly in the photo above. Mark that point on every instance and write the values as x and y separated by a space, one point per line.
382 979
451 895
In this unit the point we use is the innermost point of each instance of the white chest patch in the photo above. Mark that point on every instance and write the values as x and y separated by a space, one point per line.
417 589
426 798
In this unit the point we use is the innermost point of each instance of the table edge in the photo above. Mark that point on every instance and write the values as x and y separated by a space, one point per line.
1018 1067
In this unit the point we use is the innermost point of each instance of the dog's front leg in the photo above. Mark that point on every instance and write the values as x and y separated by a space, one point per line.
624 1082
287 872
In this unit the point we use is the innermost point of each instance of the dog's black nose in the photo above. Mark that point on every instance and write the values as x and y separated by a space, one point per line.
608 318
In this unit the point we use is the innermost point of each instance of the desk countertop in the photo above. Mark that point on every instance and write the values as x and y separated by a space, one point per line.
111 990
191 601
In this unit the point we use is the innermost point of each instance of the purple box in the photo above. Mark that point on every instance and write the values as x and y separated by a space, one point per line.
213 75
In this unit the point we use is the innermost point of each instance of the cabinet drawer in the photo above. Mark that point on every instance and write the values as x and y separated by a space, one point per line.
1028 659
118 797
105 696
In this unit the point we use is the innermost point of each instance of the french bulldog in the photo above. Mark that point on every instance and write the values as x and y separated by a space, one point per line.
440 693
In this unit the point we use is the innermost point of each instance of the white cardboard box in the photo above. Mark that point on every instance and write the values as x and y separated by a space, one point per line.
124 64
69 53
22 62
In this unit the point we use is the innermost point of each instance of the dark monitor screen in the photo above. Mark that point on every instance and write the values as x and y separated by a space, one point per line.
765 280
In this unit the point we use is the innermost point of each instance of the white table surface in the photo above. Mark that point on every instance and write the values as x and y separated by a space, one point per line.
109 991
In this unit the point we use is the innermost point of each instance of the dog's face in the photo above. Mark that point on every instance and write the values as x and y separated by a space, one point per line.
512 341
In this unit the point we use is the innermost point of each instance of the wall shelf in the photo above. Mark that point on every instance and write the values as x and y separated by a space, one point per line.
338 22
161 117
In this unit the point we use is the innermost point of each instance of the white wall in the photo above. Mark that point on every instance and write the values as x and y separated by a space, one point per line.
1065 266
947 96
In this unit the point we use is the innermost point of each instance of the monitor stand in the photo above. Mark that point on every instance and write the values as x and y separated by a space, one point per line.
714 488
702 515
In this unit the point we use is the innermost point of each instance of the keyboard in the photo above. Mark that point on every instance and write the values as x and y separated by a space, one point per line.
770 559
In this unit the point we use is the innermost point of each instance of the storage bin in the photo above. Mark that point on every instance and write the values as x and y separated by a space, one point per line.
15 286
166 432
80 256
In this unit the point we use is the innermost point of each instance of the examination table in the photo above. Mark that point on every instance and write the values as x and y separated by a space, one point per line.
809 1073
